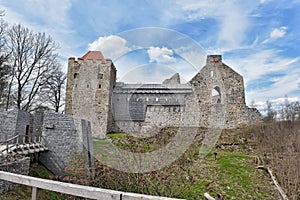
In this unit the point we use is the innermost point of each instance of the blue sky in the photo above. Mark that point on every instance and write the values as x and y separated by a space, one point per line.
257 38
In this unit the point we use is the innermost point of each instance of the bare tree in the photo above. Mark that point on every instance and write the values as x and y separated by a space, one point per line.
32 58
4 57
52 93
271 113
290 111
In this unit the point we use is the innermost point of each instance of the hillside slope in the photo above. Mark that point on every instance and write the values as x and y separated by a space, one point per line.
227 172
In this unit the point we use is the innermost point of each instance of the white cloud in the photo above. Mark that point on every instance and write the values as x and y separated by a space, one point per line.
50 17
282 86
47 14
161 55
232 18
275 34
262 66
255 65
111 46
278 32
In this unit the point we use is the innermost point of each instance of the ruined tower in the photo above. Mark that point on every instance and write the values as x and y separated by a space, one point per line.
221 90
90 82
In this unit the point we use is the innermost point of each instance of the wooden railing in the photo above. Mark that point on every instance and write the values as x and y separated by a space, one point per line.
74 189
16 141
7 144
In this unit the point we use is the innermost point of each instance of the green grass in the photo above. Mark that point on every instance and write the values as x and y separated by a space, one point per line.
231 176
114 135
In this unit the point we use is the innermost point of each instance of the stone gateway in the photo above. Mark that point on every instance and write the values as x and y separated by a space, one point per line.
214 97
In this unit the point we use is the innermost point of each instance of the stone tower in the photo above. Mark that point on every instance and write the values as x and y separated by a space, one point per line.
90 83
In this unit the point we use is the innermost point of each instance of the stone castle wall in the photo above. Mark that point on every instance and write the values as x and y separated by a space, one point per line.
213 97
8 122
156 118
64 136
14 122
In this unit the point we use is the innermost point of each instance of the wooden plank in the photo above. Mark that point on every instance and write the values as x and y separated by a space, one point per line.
74 189
34 193
67 188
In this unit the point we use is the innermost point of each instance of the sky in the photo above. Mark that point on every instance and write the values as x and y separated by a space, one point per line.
150 40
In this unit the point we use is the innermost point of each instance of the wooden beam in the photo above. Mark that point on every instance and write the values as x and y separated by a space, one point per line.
74 189
34 193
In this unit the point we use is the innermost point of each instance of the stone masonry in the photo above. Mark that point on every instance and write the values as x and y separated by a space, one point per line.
20 166
91 79
63 135
14 122
214 97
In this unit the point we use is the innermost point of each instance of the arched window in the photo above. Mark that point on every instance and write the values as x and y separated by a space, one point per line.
216 95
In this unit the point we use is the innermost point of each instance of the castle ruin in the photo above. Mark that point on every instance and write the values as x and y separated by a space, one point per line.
214 97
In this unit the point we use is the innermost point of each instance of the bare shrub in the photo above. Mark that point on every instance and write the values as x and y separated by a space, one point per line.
279 145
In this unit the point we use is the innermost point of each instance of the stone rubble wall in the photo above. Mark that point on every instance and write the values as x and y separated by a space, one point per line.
20 166
8 122
14 122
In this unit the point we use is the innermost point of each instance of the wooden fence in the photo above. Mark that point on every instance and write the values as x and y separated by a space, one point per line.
74 189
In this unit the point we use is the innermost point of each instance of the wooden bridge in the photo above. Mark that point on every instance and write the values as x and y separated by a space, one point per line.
23 145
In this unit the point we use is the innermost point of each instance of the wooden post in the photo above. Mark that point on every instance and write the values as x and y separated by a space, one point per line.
33 193
208 197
